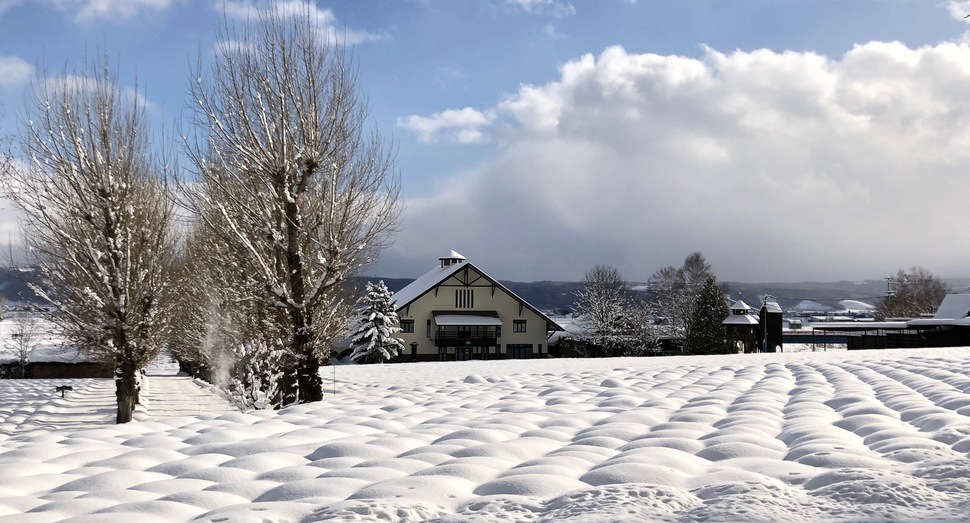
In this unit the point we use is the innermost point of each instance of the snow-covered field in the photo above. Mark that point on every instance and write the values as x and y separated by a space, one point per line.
833 436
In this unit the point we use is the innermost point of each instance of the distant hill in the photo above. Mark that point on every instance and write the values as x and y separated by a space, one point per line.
828 294
13 286
558 295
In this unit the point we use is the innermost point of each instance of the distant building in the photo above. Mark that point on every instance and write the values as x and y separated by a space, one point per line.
48 354
456 311
741 327
948 327
770 326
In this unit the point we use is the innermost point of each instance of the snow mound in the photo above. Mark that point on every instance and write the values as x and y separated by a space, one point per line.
802 437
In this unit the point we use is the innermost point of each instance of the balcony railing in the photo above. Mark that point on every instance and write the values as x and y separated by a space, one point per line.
467 336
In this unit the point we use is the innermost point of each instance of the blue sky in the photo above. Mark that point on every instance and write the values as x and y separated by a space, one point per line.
796 140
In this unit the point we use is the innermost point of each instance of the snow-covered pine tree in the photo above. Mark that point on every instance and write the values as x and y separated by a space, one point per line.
373 338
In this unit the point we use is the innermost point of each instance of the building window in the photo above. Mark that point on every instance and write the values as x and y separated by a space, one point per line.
519 351
429 329
407 325
464 298
518 326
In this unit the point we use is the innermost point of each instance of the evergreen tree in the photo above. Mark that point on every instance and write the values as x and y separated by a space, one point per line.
707 334
373 339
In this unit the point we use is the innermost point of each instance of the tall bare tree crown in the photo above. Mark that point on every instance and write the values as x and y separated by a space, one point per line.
95 218
301 191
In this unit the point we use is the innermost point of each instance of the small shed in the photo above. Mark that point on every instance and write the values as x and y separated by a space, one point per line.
741 327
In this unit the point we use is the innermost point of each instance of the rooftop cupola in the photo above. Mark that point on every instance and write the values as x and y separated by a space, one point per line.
453 258
740 307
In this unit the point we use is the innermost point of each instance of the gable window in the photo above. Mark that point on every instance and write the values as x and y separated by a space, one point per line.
464 298
407 325
518 326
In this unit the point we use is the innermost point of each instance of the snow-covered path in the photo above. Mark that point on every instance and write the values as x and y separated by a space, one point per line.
91 403
181 396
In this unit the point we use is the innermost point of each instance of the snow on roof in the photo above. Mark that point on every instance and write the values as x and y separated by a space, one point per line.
740 319
858 325
936 322
772 306
423 284
740 306
954 311
954 307
453 255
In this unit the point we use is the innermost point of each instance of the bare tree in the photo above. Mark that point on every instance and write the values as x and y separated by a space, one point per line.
213 302
676 290
96 220
911 294
604 305
302 193
24 333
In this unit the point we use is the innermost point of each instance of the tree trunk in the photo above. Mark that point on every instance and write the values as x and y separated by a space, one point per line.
308 376
126 390
287 386
288 390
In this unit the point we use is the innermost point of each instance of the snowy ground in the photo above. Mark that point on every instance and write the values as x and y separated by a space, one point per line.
826 436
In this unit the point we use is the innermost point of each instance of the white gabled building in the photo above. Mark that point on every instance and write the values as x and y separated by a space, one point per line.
456 311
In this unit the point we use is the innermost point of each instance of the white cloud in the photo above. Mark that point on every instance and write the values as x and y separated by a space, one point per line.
6 5
14 71
89 10
555 8
777 165
550 31
463 126
446 76
958 9
325 19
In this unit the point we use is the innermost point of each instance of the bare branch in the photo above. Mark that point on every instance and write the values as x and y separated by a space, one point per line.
291 180
96 220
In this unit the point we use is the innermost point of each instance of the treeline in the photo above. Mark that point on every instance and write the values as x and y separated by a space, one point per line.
234 262
684 305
